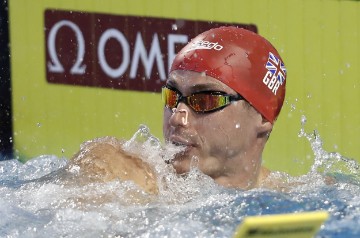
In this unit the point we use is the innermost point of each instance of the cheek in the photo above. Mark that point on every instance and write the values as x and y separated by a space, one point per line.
220 129
226 130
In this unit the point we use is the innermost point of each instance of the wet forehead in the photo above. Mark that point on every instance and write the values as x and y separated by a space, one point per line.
188 82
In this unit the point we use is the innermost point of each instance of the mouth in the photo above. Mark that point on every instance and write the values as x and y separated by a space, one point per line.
180 141
179 147
179 144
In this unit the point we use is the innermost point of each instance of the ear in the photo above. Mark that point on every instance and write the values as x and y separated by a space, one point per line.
265 127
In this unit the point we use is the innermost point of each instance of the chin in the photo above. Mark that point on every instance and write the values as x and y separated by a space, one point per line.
181 165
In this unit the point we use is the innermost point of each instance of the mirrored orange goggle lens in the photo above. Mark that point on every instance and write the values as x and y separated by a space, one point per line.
206 102
169 97
201 102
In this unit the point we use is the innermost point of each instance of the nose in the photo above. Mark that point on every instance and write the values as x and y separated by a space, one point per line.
180 115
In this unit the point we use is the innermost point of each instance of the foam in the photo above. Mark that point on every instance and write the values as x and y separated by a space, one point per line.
41 199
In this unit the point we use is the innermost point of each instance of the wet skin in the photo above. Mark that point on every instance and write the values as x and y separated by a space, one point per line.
227 144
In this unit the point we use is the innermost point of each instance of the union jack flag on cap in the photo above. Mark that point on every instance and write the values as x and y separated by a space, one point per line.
276 67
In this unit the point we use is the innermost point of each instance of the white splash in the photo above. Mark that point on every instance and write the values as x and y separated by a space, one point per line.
41 199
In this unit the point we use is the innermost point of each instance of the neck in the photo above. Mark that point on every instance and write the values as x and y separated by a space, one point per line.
243 171
244 179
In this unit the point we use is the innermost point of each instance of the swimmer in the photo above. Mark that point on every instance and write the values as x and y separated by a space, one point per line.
232 94
224 93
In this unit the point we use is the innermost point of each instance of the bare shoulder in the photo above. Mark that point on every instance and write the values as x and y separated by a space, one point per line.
283 182
104 159
278 181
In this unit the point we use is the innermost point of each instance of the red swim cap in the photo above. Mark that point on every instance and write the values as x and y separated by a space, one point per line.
241 59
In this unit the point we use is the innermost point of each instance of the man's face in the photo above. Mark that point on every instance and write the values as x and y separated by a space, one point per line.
219 140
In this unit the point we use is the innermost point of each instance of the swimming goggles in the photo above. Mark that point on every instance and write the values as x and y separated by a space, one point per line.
205 101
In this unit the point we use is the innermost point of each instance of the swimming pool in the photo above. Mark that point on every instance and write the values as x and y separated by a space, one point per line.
40 199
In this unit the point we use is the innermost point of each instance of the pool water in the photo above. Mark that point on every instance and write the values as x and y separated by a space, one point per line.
42 199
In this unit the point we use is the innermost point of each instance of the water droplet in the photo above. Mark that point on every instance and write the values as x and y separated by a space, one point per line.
237 126
293 107
38 124
303 119
174 27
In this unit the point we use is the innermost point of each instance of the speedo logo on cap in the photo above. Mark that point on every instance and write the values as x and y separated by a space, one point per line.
205 45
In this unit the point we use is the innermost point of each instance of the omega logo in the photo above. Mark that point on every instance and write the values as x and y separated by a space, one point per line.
115 51
55 66
139 53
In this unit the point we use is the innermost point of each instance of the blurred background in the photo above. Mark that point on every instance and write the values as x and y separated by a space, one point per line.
75 70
